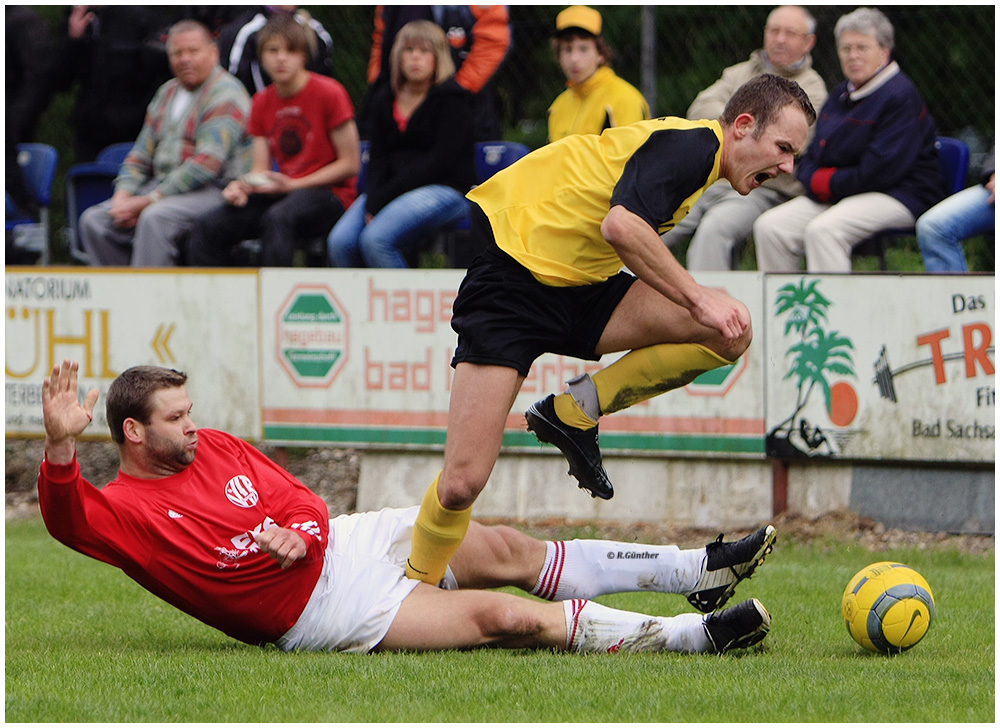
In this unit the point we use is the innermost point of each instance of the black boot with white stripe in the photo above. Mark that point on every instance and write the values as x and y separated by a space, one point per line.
727 564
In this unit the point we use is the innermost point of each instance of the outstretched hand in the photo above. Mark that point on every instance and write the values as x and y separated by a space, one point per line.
65 417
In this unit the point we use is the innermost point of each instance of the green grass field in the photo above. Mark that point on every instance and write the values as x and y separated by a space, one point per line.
84 643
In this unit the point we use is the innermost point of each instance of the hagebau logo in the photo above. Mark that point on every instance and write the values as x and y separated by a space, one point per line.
312 335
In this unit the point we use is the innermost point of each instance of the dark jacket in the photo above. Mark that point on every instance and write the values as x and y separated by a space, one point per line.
238 47
436 148
28 49
28 52
879 140
119 62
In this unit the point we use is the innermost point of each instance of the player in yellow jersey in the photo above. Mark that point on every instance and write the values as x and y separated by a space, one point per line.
558 227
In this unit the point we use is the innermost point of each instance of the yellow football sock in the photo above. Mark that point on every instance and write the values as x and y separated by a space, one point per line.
437 534
644 373
569 412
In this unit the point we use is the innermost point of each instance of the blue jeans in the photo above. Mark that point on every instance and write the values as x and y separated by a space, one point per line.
941 230
395 230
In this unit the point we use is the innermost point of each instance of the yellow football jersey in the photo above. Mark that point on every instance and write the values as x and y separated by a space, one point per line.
546 209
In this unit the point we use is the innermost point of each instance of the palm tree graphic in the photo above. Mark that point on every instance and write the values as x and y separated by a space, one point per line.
815 354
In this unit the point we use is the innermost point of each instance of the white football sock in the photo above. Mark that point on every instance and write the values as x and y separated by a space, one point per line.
583 569
592 627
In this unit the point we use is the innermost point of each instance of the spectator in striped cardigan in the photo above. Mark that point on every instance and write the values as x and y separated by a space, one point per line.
192 143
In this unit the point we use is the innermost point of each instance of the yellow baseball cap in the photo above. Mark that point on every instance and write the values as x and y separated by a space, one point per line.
579 16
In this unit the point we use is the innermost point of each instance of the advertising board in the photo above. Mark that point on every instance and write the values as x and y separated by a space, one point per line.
109 320
363 357
886 368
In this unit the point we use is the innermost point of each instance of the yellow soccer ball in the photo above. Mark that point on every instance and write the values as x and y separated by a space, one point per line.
887 607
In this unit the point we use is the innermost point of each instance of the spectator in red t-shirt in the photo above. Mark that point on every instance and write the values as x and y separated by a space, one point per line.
304 124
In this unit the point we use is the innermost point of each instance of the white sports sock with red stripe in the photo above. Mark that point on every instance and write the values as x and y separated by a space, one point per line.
583 569
592 627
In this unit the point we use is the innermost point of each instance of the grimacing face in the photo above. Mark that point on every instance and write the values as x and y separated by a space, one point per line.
192 56
754 160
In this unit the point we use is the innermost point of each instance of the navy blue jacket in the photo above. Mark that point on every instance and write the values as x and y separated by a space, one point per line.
882 142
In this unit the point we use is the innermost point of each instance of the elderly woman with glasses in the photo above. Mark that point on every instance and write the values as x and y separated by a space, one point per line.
871 165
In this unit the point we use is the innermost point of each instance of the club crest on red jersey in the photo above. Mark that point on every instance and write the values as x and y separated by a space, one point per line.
240 492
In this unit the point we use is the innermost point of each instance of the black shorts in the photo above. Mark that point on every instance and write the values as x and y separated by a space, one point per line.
504 316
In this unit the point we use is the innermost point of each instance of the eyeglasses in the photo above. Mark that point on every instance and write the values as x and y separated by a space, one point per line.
771 30
862 48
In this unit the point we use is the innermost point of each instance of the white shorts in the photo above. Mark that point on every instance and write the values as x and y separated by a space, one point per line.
362 584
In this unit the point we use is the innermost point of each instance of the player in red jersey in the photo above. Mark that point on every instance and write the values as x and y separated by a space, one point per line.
209 524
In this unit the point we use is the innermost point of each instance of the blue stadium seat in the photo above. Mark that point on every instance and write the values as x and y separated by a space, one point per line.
88 184
38 164
115 153
491 157
954 157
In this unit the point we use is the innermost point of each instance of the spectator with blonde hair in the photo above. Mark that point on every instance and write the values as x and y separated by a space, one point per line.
420 160
479 38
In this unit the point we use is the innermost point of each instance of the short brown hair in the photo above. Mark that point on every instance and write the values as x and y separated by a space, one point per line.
131 396
570 34
763 97
426 33
286 27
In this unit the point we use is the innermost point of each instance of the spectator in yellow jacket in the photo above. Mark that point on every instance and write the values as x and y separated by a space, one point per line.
596 98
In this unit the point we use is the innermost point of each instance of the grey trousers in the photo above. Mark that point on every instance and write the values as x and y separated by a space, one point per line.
824 233
157 237
720 219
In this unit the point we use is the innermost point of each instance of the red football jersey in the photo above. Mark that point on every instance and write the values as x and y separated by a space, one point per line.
188 538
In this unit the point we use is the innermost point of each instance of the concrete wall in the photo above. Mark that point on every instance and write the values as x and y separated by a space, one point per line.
690 493
940 499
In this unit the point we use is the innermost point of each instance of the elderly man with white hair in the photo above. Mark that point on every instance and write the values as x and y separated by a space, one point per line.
871 166
722 218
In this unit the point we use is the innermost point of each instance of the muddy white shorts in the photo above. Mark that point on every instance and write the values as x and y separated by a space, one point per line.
362 584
